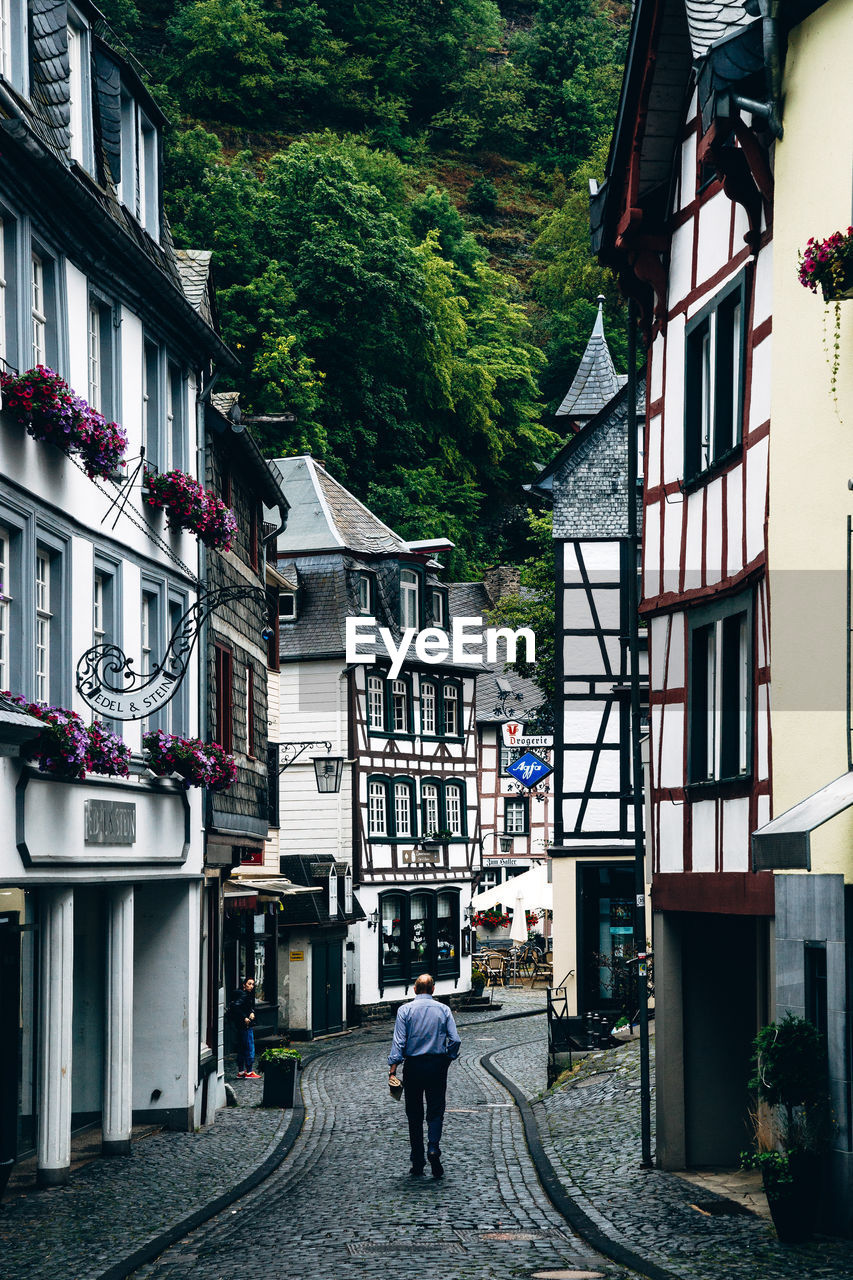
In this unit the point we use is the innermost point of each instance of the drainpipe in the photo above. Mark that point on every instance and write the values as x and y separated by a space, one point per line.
636 752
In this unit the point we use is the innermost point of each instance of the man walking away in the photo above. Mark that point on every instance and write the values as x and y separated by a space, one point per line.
426 1042
242 1013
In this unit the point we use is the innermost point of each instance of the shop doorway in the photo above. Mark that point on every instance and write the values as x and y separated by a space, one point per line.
327 960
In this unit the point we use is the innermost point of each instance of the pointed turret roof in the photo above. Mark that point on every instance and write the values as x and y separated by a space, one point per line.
596 381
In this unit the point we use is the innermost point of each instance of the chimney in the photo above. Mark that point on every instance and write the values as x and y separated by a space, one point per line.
502 580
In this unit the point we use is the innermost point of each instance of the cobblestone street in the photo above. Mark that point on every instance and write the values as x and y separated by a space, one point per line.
341 1203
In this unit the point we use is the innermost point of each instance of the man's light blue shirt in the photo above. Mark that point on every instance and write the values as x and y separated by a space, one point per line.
423 1026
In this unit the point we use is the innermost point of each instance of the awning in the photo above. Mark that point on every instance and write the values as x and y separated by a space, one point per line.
267 888
532 885
785 843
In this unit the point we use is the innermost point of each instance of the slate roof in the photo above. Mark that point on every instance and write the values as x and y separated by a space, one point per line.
194 271
712 20
468 599
313 909
324 516
596 380
489 707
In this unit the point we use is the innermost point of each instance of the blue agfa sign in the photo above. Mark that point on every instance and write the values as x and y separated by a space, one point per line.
528 769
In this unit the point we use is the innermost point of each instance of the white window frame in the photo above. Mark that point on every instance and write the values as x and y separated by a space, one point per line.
289 614
454 802
430 807
450 699
37 309
76 37
99 630
515 816
409 598
365 594
43 624
5 41
399 706
5 607
377 809
96 367
438 618
403 809
428 708
375 703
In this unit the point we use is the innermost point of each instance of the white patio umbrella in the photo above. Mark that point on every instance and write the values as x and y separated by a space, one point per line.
532 884
518 930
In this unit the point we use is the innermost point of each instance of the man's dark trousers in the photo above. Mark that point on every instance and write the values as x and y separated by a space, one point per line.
425 1076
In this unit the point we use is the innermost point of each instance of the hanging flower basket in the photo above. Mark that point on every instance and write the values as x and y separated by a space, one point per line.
50 411
188 505
828 265
67 748
490 919
200 764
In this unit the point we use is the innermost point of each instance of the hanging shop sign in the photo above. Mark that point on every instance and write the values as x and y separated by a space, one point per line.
107 682
528 770
514 736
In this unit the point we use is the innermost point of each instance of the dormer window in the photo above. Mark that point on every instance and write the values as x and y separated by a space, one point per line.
438 604
409 598
13 42
365 594
79 92
287 606
139 189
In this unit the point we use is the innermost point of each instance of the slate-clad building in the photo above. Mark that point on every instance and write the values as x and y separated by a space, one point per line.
100 939
593 849
406 816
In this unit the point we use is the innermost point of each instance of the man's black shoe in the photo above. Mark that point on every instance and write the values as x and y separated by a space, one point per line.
437 1167
416 1170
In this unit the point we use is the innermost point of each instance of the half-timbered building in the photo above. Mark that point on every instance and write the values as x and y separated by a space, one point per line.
594 844
684 218
406 816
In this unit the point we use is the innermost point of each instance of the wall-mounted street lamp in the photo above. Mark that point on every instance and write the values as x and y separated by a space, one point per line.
373 919
328 769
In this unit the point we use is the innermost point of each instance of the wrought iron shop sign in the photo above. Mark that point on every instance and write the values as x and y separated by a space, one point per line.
107 682
110 822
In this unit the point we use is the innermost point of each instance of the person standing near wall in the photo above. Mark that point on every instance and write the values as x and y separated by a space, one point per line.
242 1013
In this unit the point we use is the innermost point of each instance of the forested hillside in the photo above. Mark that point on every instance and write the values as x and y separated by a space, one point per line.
395 192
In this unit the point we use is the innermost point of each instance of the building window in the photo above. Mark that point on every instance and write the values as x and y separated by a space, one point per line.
176 417
515 816
508 755
44 626
287 606
451 711
254 538
438 602
430 808
409 599
365 594
178 710
377 809
39 312
454 808
713 392
79 93
149 620
273 655
375 703
720 692
98 621
4 345
5 609
5 40
403 809
151 405
250 710
399 706
428 708
273 799
224 677
139 187
419 932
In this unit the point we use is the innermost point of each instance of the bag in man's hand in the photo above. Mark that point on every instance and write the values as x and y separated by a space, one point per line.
396 1087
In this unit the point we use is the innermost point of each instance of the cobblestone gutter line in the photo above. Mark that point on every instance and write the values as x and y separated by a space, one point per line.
577 1218
177 1230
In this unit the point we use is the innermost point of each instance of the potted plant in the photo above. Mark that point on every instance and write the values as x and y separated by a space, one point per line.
491 918
43 403
188 505
280 1067
200 764
828 265
790 1081
478 980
